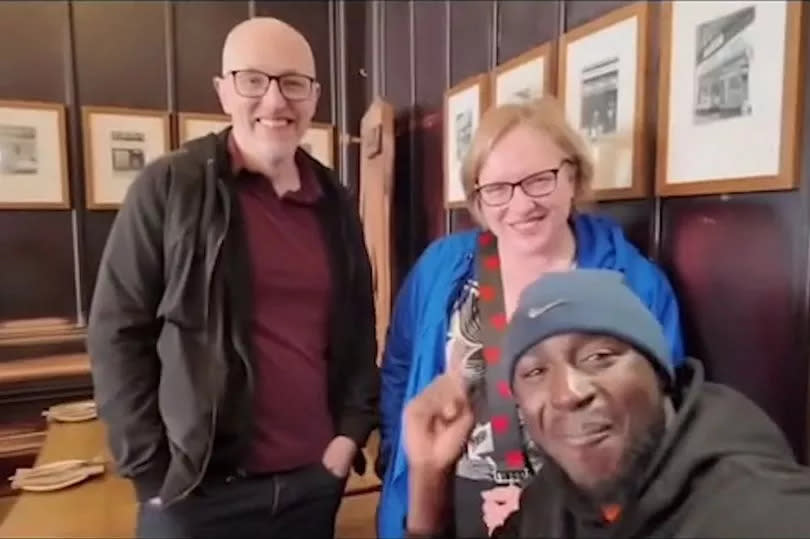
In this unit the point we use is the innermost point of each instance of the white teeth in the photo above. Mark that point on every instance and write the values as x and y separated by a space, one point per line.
273 122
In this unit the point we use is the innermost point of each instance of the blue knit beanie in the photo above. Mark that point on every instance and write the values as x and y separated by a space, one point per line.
585 301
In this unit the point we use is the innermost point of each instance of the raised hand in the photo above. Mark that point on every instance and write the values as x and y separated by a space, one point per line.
437 424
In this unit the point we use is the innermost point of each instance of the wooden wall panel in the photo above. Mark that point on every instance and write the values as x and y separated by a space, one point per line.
37 262
128 70
121 53
523 24
396 53
471 26
579 12
311 18
738 267
200 30
430 71
356 73
39 74
32 288
430 53
471 44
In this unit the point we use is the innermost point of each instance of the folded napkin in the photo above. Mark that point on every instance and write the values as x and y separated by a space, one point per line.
56 475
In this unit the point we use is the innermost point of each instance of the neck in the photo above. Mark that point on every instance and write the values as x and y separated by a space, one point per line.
281 172
520 269
554 256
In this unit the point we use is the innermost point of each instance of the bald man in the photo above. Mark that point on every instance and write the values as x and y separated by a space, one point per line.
232 326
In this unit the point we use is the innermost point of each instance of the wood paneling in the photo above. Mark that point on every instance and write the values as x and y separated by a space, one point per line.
396 54
36 247
524 24
578 12
121 54
39 73
311 18
37 255
470 39
200 30
430 53
738 267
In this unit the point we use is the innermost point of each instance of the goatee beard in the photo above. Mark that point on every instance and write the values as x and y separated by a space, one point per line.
634 462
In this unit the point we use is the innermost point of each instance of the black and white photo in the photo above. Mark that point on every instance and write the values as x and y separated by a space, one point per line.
120 142
730 97
33 156
723 57
18 149
600 89
127 151
464 104
464 133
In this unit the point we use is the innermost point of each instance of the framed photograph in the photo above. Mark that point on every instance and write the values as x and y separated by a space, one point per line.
463 106
319 142
118 143
602 86
33 156
525 77
193 125
729 106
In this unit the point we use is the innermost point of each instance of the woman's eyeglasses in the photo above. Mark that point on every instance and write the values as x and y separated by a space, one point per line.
536 185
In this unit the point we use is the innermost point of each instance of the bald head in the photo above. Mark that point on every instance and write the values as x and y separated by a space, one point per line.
269 45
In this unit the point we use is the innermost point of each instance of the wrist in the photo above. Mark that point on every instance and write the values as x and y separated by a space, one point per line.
427 500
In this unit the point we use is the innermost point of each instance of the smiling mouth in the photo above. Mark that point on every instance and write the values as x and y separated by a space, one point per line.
274 123
527 223
586 436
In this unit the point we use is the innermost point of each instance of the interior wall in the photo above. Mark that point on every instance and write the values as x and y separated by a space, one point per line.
738 262
140 54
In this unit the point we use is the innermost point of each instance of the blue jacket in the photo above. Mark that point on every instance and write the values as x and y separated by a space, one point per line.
415 346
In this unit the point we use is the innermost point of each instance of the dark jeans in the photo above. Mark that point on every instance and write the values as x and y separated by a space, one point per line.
469 517
300 503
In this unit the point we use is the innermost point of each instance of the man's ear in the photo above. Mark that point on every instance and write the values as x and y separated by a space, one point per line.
219 88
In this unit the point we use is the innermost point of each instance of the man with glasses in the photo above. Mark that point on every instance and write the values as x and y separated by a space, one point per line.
232 330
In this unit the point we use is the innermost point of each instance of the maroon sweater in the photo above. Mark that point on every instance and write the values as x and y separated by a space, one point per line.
291 292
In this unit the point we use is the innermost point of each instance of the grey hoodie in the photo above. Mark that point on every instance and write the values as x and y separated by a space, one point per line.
723 469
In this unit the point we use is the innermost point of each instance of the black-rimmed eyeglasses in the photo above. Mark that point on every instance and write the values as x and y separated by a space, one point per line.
252 83
535 185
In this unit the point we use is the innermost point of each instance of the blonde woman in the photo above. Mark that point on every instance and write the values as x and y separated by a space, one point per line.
525 176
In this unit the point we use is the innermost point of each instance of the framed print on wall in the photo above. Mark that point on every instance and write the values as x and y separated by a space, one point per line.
463 106
319 142
729 106
33 156
193 125
602 67
118 143
525 77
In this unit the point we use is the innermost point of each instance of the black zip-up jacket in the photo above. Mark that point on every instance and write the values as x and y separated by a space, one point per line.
723 470
167 336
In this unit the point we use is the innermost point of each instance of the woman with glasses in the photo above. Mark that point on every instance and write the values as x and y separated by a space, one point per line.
526 176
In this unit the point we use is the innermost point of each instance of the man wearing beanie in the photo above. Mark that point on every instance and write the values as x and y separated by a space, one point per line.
631 451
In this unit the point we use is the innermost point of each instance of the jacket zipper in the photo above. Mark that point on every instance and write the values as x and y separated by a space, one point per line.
214 405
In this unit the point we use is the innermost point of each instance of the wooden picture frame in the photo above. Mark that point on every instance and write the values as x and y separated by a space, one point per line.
601 83
118 143
33 156
191 125
525 77
713 119
319 142
464 104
